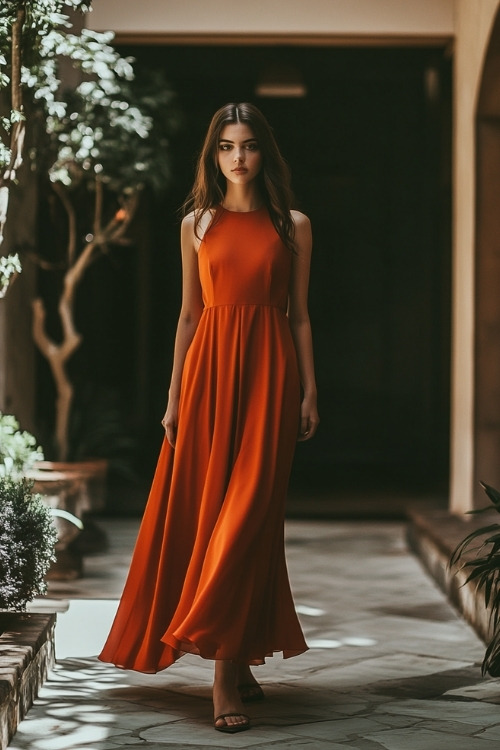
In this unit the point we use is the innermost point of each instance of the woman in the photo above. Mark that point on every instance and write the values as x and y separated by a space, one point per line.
208 575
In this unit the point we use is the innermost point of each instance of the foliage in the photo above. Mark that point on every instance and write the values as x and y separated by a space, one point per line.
108 135
9 266
27 61
115 130
104 125
18 449
27 541
484 570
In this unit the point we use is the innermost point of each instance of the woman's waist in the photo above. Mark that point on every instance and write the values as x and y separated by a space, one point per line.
245 307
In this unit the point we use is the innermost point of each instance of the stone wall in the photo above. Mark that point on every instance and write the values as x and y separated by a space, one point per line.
26 654
473 24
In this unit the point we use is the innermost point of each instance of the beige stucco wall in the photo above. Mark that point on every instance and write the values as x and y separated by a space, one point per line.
349 17
473 22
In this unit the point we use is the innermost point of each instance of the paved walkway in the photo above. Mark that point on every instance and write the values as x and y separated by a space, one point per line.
390 665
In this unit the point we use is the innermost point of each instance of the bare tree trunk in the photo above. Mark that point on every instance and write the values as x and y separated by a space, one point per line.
18 128
58 355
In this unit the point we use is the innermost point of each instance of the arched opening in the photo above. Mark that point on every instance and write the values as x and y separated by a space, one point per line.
487 281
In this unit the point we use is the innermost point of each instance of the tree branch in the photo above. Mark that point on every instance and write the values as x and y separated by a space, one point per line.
99 195
16 99
70 210
18 128
16 59
57 356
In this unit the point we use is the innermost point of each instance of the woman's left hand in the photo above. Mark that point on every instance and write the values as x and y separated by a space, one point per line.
309 418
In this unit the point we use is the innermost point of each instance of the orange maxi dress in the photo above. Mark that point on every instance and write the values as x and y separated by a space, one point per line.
208 574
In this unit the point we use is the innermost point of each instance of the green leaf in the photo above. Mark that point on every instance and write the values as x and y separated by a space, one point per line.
27 543
464 544
492 493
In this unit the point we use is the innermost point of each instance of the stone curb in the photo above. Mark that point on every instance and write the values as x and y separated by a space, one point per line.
26 654
433 535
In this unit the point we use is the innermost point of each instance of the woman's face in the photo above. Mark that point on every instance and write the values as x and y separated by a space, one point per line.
239 155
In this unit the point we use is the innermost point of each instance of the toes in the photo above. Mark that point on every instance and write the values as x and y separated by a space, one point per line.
231 720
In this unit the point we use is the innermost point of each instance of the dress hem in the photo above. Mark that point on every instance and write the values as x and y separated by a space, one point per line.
180 652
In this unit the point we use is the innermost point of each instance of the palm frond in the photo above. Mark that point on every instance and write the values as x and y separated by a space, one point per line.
483 570
491 662
493 494
464 544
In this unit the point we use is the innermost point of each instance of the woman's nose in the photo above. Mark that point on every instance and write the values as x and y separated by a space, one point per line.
238 154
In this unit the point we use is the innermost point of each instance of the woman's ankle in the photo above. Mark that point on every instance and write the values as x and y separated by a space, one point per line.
226 674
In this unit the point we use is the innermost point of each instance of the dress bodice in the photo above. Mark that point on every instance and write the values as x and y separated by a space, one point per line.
243 261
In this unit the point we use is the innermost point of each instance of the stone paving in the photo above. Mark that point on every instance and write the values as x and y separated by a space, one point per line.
391 665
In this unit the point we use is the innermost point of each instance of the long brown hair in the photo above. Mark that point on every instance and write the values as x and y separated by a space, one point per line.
274 177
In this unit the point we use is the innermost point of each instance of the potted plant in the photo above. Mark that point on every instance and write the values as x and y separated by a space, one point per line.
481 563
19 453
27 543
99 144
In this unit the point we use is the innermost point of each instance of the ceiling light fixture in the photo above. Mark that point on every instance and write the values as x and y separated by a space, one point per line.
281 81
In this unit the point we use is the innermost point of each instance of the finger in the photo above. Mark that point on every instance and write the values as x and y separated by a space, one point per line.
171 434
313 426
304 428
309 430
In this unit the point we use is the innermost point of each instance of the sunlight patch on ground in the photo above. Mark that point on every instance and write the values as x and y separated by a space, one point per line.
72 639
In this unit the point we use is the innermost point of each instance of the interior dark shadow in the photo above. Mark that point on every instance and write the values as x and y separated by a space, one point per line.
369 148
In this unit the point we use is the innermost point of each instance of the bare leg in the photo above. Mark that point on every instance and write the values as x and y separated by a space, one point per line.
226 697
245 676
248 687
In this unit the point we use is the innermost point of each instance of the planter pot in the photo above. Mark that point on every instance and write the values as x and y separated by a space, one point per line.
79 488
86 482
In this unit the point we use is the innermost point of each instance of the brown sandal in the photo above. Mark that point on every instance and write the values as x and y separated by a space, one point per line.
231 728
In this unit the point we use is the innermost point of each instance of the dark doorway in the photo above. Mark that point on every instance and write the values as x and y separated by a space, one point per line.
369 147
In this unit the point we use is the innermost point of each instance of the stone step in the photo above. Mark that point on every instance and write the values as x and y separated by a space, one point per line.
433 535
26 654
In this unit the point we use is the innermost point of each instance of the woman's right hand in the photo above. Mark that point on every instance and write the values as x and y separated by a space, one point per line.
169 421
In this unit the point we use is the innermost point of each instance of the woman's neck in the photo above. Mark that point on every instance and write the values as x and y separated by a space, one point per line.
242 198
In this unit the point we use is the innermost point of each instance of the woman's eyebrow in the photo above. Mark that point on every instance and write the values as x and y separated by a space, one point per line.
226 140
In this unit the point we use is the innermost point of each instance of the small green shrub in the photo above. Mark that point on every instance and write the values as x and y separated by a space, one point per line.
27 541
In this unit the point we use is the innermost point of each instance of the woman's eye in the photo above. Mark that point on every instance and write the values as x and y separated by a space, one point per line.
253 147
224 146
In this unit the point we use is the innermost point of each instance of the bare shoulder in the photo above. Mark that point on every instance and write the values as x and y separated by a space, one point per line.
194 225
303 234
188 220
199 217
188 239
300 220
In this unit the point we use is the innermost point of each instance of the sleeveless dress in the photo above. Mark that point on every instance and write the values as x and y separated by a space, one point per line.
208 574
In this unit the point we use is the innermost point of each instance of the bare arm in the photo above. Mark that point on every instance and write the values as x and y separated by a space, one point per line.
300 325
191 309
